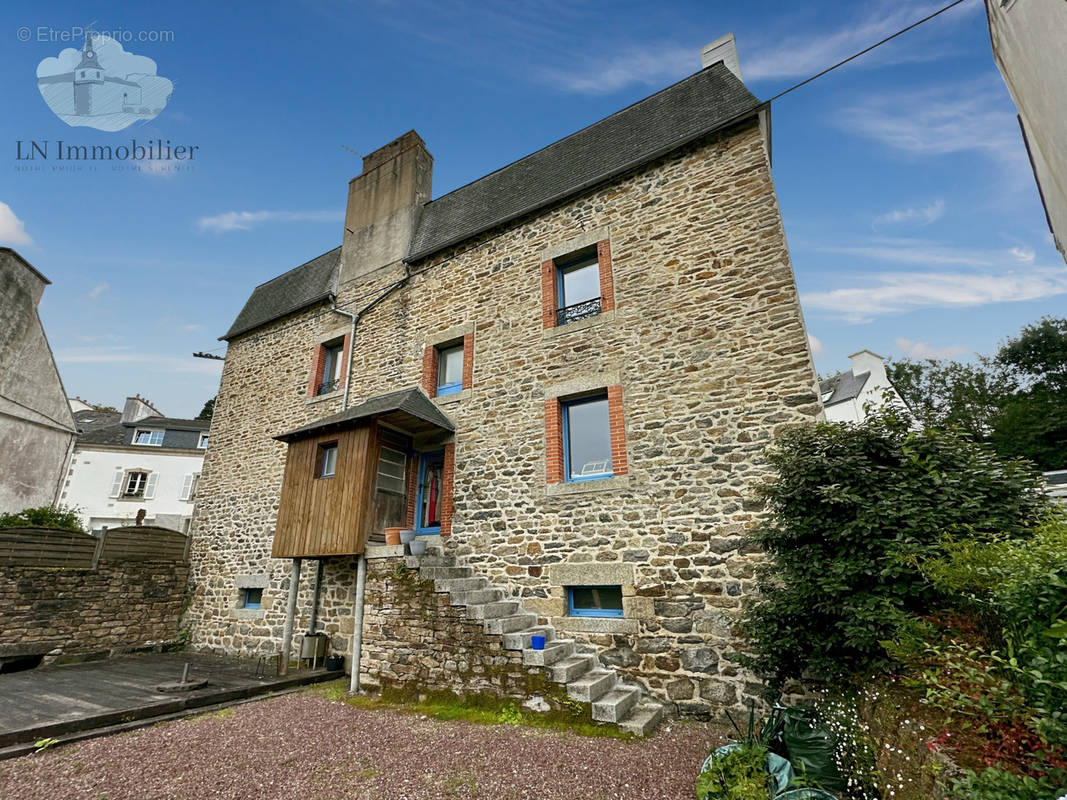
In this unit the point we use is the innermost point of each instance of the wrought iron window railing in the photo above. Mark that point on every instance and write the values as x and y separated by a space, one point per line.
328 386
588 308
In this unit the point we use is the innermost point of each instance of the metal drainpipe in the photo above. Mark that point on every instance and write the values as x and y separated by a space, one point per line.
290 614
361 562
315 600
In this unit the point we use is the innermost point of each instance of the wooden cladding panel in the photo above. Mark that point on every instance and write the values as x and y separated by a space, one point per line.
326 516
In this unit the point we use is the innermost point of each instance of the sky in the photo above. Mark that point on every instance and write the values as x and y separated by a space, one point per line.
912 216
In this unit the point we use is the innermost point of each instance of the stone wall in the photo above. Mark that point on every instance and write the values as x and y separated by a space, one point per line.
74 612
706 345
414 638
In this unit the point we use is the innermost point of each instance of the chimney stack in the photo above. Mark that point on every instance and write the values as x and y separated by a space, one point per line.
383 205
137 409
723 49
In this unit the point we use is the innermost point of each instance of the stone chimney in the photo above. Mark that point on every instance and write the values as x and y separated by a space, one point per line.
866 361
723 49
136 409
383 205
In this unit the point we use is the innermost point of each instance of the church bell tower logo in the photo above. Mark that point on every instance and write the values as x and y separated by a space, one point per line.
102 85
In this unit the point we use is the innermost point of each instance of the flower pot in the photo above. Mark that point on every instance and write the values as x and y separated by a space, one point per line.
537 642
418 547
392 536
407 535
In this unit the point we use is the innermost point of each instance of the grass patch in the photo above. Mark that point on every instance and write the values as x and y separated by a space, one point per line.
478 709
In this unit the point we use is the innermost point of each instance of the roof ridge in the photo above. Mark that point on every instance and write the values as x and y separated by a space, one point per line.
579 131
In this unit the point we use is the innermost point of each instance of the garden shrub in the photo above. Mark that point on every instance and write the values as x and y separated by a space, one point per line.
999 784
854 512
44 517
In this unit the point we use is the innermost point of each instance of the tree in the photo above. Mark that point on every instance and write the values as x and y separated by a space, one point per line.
208 410
1015 400
44 517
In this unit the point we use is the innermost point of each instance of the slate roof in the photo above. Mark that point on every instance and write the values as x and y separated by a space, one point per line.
409 407
680 114
844 385
298 288
95 427
650 128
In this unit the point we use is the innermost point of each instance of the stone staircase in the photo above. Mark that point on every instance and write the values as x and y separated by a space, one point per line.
564 661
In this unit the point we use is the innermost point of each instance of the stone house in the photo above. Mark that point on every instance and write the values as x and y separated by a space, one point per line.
562 375
36 427
137 463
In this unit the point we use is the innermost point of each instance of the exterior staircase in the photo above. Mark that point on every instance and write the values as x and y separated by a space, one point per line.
564 661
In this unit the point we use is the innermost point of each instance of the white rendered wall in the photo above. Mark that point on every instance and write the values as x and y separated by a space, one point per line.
92 472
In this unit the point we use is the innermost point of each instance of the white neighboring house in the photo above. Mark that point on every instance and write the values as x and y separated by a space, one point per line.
1056 485
845 395
139 459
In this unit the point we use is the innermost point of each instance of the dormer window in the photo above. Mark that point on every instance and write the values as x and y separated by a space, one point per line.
202 444
148 437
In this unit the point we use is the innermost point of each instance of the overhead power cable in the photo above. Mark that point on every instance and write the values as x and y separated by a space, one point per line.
867 50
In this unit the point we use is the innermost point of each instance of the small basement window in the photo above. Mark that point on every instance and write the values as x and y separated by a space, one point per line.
251 598
594 601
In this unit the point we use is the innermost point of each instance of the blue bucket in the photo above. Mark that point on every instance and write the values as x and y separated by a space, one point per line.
537 642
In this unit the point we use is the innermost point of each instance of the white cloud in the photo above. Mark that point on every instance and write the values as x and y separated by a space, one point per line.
12 229
888 293
918 216
152 362
246 220
802 54
815 344
98 290
951 118
925 350
651 65
1024 254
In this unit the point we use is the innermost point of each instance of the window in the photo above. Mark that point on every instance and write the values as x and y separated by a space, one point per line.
202 444
153 438
586 439
578 284
189 483
449 369
392 468
135 484
251 598
333 353
327 460
594 601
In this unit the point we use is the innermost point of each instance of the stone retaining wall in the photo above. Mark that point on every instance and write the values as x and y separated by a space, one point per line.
67 613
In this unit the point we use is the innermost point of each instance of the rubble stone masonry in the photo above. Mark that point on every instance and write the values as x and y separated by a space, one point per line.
707 353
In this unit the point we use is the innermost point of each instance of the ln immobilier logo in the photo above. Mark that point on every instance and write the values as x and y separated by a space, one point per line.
102 85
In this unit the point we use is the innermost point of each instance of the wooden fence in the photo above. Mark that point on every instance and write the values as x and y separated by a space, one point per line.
52 547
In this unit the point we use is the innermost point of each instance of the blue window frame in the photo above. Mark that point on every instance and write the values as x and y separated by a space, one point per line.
449 369
586 439
594 601
252 598
428 500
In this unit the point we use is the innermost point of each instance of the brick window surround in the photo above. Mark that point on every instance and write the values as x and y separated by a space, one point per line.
318 365
430 359
447 482
550 285
555 469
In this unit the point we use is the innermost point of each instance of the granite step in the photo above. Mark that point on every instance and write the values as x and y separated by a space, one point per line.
616 705
434 573
493 610
476 596
643 719
459 584
592 685
553 651
520 640
571 668
416 562
510 624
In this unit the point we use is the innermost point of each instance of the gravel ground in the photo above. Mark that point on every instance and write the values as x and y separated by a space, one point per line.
303 746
